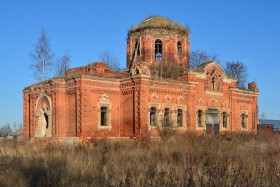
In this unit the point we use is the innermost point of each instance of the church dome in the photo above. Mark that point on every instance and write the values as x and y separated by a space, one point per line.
158 22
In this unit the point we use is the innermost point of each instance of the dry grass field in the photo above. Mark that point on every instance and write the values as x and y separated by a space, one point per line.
185 160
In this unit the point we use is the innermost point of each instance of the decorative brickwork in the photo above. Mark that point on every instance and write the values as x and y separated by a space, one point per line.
94 101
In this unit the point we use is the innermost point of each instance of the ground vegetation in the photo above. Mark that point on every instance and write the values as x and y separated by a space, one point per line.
238 159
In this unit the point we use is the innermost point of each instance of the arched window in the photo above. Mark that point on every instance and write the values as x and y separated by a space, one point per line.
158 50
243 121
179 117
137 48
199 118
153 112
179 49
104 116
213 83
166 120
225 119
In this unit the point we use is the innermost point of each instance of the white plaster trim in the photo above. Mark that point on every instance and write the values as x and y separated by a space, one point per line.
214 93
168 97
154 95
40 97
181 98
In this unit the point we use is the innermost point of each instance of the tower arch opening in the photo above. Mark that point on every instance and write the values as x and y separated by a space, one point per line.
158 50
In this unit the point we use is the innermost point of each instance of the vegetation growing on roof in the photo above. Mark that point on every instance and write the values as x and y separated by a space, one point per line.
158 22
166 70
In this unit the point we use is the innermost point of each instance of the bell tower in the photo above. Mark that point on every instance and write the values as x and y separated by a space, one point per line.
158 40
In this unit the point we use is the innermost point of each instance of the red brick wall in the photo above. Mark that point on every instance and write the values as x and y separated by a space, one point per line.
169 40
76 105
77 97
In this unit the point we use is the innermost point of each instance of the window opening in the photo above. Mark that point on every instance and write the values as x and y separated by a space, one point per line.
137 48
243 121
153 112
179 49
104 116
180 117
213 83
166 121
199 118
224 120
158 50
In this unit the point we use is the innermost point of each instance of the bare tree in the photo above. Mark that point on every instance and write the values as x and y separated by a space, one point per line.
238 70
62 65
263 116
110 59
42 57
5 130
197 57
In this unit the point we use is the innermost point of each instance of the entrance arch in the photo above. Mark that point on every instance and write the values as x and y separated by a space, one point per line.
44 118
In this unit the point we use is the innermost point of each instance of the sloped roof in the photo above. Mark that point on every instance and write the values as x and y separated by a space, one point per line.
158 22
275 123
201 67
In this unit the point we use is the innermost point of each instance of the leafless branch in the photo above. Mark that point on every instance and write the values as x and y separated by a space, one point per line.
237 70
62 65
198 57
110 59
42 57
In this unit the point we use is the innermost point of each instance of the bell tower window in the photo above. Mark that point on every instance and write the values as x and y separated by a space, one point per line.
158 50
137 48
179 49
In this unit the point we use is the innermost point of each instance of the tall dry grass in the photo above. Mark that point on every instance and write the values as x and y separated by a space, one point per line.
186 160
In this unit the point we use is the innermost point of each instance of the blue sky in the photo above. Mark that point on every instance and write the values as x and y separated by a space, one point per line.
244 30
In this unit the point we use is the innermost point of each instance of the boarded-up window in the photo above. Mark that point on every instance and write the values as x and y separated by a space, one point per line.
212 116
104 116
179 117
153 113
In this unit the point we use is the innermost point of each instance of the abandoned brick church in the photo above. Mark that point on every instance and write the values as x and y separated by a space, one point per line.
94 101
